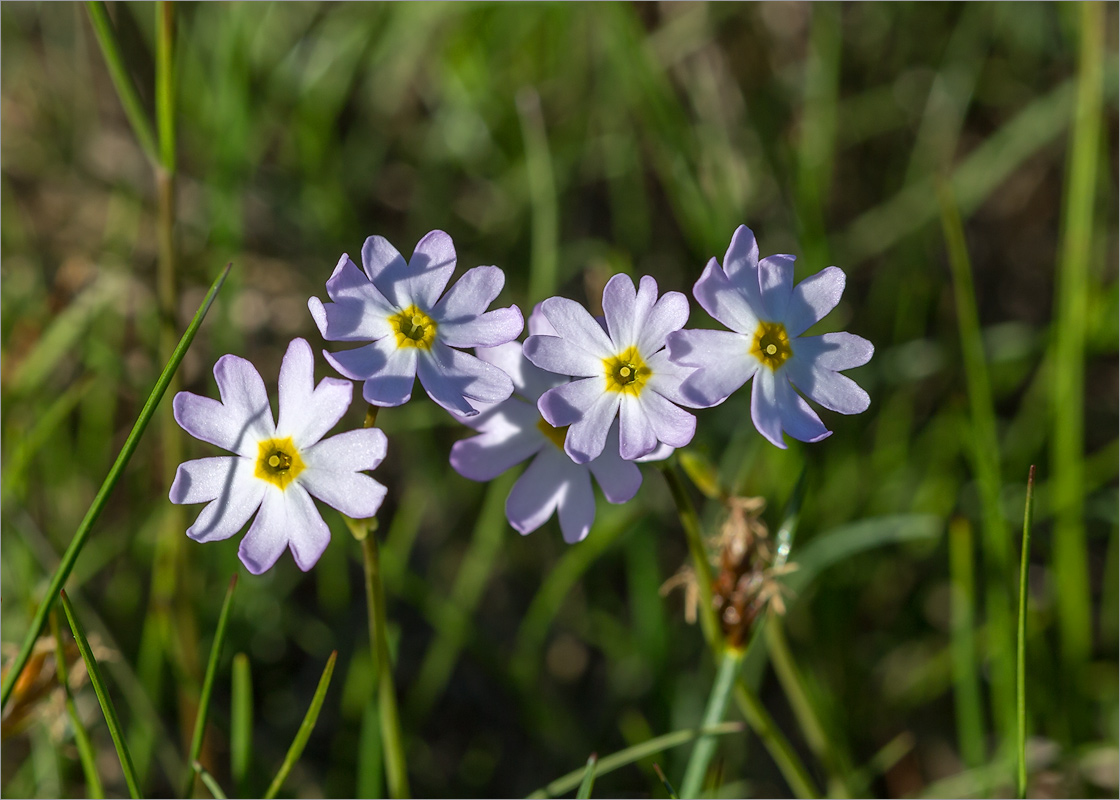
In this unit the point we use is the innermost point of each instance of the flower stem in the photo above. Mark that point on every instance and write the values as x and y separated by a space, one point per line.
717 704
690 522
1021 648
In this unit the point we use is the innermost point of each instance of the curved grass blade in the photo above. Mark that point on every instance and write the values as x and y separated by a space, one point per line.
588 781
240 723
1021 648
81 736
305 728
103 697
208 686
70 557
209 781
635 753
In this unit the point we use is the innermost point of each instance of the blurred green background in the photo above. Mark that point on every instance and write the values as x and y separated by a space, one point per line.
564 143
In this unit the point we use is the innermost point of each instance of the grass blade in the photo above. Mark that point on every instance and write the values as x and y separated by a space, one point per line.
240 722
209 781
86 755
1021 649
78 542
305 728
966 682
208 686
636 753
665 782
705 746
542 193
103 697
588 781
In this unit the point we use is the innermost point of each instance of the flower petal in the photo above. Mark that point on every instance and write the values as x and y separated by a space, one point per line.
737 307
723 360
536 493
388 371
238 497
832 390
430 268
450 377
386 268
668 377
625 308
636 434
741 260
488 455
462 317
577 505
487 330
287 518
333 471
775 282
574 324
359 312
240 420
813 298
619 479
798 420
670 423
765 413
669 314
835 351
529 380
203 479
307 411
559 356
538 324
587 409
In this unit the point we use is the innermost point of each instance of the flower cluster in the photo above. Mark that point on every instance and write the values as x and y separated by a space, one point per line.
581 397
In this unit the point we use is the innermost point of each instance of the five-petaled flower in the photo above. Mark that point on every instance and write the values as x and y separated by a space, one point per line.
513 431
396 306
277 466
621 371
767 315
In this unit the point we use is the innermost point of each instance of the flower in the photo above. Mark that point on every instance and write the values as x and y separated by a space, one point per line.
513 431
396 306
623 371
767 315
277 467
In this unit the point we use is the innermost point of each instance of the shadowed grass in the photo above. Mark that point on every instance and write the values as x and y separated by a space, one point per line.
305 729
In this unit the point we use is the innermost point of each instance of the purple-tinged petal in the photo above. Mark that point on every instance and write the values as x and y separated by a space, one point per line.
670 423
625 308
574 324
536 493
559 356
240 420
587 437
469 296
491 329
238 497
775 281
832 390
488 455
636 435
430 268
577 505
723 361
529 380
834 351
538 324
765 413
669 314
287 517
668 377
813 298
349 451
568 403
307 412
333 471
736 307
203 479
378 256
359 312
660 453
697 347
451 377
798 420
388 371
619 479
741 260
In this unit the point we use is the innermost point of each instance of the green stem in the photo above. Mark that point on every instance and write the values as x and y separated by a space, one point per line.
81 735
690 522
1021 648
966 681
542 193
165 84
717 704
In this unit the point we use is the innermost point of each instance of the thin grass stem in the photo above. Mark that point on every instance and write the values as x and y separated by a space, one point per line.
966 680
588 782
305 729
1021 648
717 704
209 781
690 523
542 193
240 723
86 755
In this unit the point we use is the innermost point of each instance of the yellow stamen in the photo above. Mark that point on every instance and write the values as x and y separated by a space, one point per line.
278 462
771 344
626 372
413 328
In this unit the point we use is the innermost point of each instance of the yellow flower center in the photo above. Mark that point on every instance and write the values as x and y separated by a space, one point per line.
278 462
626 372
554 435
771 344
413 328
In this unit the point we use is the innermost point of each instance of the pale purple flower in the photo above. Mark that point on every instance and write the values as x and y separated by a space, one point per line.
513 431
413 332
767 315
621 371
277 467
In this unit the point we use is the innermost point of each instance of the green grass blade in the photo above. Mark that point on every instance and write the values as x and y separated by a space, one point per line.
966 681
588 781
665 782
78 542
208 686
370 778
86 755
705 746
122 81
103 697
165 83
240 722
542 193
305 728
1021 648
1067 438
636 753
209 781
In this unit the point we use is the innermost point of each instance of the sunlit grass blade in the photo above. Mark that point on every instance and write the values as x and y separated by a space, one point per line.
612 762
542 192
240 722
86 526
1071 306
1021 648
122 81
209 781
208 685
588 782
705 746
665 782
305 728
966 680
984 452
107 707
86 755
